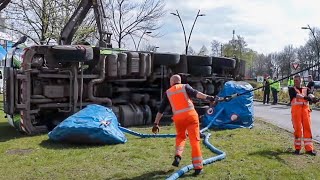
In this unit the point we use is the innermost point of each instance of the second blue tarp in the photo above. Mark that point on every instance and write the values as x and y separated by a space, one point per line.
237 113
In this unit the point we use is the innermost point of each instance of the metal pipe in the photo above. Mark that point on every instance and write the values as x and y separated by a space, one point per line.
81 85
99 80
75 87
70 90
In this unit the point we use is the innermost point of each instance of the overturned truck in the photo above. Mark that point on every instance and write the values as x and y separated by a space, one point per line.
54 82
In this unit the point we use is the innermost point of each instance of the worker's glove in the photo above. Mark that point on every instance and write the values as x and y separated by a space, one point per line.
227 98
155 128
315 100
307 98
210 98
218 99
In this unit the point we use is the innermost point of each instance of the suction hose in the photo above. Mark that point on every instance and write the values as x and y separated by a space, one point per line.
221 155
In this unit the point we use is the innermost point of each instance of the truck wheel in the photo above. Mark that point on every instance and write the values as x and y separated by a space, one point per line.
165 59
147 114
182 66
200 70
218 87
209 88
199 60
198 86
223 62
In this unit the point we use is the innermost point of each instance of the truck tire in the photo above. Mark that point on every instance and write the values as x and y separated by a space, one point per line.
199 60
209 88
182 66
200 70
198 86
72 53
165 59
136 98
218 87
147 115
223 62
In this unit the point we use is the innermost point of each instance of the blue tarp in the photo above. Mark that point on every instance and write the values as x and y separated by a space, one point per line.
3 53
240 107
94 124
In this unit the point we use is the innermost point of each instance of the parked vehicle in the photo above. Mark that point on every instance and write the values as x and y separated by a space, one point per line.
317 84
56 81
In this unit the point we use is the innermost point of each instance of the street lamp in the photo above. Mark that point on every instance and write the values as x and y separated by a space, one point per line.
317 45
184 32
155 48
136 46
144 32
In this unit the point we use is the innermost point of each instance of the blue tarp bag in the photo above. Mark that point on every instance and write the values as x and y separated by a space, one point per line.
236 113
94 124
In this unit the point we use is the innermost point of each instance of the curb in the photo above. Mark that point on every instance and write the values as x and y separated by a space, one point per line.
281 103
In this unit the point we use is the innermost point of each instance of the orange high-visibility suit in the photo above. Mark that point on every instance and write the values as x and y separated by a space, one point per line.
301 120
186 119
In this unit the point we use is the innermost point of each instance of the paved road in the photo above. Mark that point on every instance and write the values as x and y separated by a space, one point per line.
280 116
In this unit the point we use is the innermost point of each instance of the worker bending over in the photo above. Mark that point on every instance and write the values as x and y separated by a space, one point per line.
185 118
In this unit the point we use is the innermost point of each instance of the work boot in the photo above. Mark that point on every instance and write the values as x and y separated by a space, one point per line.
197 172
176 161
312 153
297 152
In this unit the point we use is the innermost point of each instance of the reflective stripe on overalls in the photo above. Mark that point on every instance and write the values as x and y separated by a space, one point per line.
301 120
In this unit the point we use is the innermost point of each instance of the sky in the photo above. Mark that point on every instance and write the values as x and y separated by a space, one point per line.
266 25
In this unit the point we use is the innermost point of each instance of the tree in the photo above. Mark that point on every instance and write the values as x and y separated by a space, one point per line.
259 65
150 47
288 57
216 48
134 18
235 47
42 20
303 55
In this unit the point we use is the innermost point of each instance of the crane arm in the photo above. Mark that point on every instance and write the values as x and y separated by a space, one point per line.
4 3
77 18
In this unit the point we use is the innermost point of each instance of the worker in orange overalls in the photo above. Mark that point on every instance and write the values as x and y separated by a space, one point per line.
185 118
300 112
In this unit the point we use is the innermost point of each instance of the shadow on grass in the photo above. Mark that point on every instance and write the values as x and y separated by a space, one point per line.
272 154
49 144
152 175
7 132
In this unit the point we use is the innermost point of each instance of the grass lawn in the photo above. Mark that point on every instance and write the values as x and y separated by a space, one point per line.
263 152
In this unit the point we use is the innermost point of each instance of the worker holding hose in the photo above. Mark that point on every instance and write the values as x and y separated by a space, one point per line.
300 112
185 118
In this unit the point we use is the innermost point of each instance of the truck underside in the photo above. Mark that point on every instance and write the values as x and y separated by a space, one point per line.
55 82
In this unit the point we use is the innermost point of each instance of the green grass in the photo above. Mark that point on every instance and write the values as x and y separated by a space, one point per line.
263 152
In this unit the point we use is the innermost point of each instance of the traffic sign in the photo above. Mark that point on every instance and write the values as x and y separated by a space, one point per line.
260 79
295 66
